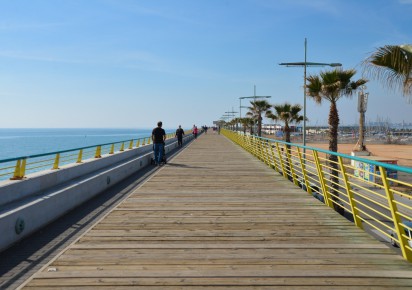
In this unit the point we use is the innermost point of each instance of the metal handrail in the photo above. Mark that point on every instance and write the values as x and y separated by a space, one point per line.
58 158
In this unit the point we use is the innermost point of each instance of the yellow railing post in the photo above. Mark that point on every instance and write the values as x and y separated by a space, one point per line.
247 143
122 147
291 166
252 145
144 142
267 156
282 164
149 140
131 144
16 174
19 170
112 149
56 161
98 152
397 220
352 201
268 153
80 156
23 168
138 143
255 139
250 140
305 176
323 185
260 149
275 166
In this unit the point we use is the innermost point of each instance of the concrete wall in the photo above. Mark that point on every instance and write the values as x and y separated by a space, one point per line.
28 205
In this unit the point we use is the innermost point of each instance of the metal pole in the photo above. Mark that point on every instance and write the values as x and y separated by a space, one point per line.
304 100
305 64
254 100
240 108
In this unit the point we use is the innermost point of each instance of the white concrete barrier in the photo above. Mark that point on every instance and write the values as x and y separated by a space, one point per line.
30 204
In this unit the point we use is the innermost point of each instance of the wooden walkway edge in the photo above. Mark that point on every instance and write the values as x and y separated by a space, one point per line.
216 217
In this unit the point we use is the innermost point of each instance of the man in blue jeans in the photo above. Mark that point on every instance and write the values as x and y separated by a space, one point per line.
158 138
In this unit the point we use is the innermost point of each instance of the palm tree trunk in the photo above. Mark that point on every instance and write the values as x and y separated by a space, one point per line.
333 159
333 128
287 132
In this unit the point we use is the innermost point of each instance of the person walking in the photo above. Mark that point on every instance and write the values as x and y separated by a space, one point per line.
158 138
179 135
195 131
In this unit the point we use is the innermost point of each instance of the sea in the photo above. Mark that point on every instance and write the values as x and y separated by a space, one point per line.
27 142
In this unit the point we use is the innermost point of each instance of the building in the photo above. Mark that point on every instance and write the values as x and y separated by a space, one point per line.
271 129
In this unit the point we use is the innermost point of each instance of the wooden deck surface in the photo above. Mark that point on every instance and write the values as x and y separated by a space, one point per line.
216 217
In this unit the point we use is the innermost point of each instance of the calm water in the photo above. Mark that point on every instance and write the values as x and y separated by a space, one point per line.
25 142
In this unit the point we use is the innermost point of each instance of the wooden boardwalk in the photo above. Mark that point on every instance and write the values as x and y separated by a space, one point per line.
216 217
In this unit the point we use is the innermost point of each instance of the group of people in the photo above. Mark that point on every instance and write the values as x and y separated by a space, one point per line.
159 138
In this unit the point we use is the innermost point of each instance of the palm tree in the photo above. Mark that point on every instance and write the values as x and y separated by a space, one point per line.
287 114
331 86
256 110
247 123
392 64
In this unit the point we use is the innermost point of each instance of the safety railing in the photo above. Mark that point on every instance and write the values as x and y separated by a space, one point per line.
376 195
17 168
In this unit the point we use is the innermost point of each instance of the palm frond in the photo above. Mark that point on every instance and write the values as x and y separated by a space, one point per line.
392 65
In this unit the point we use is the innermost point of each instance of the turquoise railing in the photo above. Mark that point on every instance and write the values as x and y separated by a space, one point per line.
17 168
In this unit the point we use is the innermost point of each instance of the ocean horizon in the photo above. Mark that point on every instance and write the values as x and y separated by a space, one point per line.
19 142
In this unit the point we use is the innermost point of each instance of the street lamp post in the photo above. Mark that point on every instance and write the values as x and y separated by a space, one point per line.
231 114
305 64
251 97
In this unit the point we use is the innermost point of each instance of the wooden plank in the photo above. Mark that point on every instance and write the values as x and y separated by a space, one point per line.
215 217
221 283
229 271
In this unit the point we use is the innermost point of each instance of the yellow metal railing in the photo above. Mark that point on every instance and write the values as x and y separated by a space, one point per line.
18 168
376 195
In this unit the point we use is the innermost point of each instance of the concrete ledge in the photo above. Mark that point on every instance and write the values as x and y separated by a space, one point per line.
42 198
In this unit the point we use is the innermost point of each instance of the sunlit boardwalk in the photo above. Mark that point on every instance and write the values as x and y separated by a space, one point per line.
216 217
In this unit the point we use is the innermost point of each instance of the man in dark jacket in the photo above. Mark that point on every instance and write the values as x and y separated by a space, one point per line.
179 135
158 138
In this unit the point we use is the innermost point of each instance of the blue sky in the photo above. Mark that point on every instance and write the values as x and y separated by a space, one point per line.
130 63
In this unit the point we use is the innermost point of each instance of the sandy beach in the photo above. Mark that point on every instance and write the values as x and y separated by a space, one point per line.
402 153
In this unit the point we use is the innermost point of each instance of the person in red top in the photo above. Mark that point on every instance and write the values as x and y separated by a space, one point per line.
195 131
